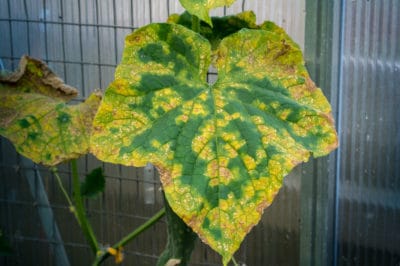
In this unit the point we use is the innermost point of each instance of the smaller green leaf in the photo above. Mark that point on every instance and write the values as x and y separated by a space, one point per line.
201 8
221 26
93 184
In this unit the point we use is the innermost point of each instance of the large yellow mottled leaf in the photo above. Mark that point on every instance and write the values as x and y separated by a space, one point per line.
223 149
201 8
35 117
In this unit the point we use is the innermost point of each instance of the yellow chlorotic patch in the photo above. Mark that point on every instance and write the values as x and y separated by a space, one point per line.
199 109
236 116
221 123
260 105
260 183
223 205
225 175
136 158
289 82
207 153
249 162
167 106
229 151
213 170
138 119
269 134
319 100
257 120
167 99
274 168
176 170
233 140
122 87
261 155
155 143
219 101
189 202
203 96
218 171
283 114
249 191
199 142
181 118
237 143
274 105
214 181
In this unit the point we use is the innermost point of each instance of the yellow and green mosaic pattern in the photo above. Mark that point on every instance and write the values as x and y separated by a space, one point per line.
223 149
35 117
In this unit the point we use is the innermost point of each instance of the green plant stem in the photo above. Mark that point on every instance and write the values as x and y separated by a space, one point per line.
195 23
105 254
234 262
80 210
63 190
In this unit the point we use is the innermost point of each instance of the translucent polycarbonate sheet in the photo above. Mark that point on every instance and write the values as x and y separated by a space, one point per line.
369 155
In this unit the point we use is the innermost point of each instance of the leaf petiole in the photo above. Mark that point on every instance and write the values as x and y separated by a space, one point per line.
102 255
54 170
195 24
80 210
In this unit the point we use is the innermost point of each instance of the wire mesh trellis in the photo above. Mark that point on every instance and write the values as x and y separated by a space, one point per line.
82 41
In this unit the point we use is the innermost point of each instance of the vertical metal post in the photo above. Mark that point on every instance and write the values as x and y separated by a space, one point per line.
319 181
49 225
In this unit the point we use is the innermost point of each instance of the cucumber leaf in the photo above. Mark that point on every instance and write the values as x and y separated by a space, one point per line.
35 117
222 149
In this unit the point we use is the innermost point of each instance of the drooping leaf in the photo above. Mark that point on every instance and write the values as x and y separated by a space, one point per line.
223 149
35 116
201 8
94 183
221 26
181 240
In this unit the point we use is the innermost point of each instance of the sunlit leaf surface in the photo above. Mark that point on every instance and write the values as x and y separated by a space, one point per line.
201 8
35 117
223 149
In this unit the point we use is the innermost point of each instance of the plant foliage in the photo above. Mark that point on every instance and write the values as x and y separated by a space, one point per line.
35 116
94 183
222 149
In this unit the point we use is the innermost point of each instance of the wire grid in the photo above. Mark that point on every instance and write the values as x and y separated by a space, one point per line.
82 41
